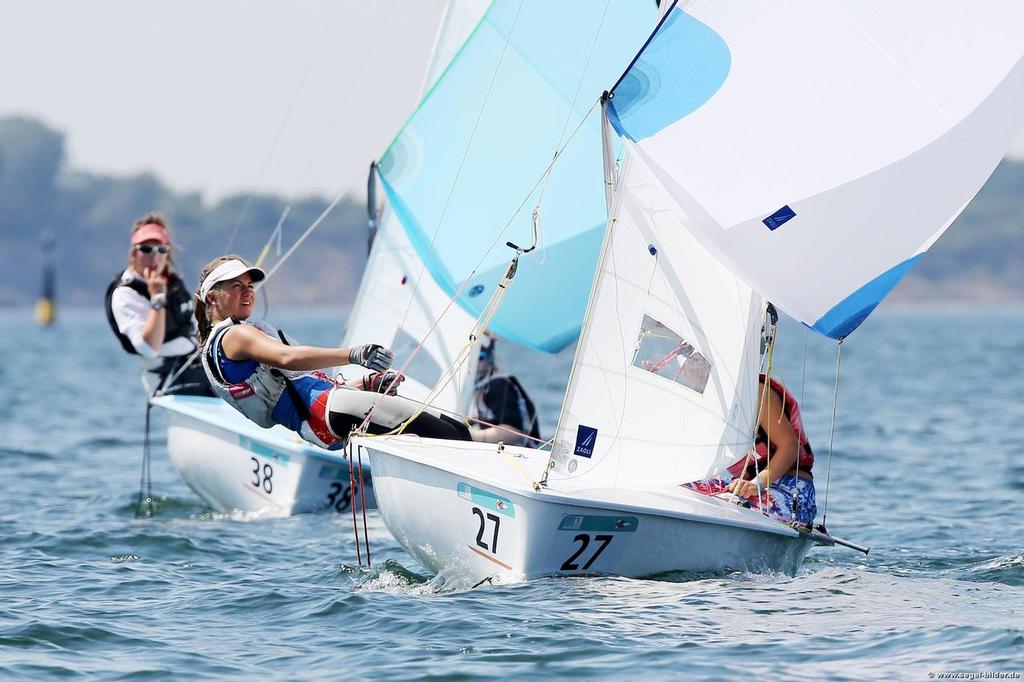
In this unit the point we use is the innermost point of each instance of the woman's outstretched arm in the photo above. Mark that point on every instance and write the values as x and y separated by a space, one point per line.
249 343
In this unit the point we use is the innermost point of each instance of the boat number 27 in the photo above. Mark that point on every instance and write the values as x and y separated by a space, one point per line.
480 540
572 563
262 475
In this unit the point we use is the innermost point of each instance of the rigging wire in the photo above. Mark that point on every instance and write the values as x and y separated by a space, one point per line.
321 144
541 181
458 172
568 117
298 242
451 301
146 476
280 129
352 502
832 431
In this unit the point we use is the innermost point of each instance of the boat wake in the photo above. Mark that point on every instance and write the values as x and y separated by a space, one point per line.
1008 570
390 577
168 506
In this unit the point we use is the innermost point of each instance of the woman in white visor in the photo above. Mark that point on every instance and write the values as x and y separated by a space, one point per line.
271 381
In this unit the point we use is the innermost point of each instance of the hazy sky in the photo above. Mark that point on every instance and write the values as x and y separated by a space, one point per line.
221 95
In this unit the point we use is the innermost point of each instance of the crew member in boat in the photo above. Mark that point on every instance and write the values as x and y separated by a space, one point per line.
775 476
502 406
149 309
259 372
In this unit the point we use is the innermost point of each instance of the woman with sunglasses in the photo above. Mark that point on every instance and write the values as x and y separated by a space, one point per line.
149 309
257 371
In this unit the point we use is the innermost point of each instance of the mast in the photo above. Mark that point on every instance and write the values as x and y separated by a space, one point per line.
557 459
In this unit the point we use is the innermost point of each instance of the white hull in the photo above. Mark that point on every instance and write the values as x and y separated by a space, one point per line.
234 465
468 513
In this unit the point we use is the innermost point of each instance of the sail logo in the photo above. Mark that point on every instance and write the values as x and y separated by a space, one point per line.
586 436
779 218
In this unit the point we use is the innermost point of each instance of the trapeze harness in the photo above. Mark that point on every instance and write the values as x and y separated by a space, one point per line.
178 324
310 403
502 400
748 467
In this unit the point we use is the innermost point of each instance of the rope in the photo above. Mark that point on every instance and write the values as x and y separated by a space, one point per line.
274 234
803 369
480 325
495 301
352 502
500 235
832 431
171 378
458 172
455 363
321 144
761 407
145 477
518 467
362 505
309 231
572 106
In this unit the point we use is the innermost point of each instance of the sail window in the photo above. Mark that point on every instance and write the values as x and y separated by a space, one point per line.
661 351
423 367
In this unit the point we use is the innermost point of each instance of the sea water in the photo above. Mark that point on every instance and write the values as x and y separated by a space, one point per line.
927 469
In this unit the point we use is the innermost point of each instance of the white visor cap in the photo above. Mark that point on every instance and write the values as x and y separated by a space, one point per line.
229 269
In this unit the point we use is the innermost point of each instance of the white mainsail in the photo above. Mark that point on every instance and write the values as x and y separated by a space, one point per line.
664 384
818 148
806 152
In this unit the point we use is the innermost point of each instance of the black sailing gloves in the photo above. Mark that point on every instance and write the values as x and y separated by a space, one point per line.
373 356
383 382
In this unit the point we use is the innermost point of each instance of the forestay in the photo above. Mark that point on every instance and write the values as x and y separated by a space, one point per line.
398 303
482 137
818 148
664 384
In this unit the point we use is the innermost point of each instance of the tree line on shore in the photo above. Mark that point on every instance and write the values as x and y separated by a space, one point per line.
981 258
90 217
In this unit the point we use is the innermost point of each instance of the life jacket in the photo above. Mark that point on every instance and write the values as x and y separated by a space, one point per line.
255 397
516 409
258 395
179 308
763 450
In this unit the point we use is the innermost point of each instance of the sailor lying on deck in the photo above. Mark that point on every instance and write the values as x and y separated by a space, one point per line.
271 381
779 464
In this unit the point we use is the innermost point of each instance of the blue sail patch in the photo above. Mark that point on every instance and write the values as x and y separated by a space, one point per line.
779 218
586 437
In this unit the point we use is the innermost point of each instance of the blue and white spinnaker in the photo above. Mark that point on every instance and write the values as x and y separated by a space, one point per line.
481 139
819 148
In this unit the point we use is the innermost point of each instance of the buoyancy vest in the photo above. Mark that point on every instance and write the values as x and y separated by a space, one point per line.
255 397
763 450
179 308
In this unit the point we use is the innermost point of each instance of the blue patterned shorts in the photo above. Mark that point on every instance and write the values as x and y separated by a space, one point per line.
778 499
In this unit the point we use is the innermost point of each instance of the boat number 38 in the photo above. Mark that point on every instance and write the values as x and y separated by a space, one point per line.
262 475
340 497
